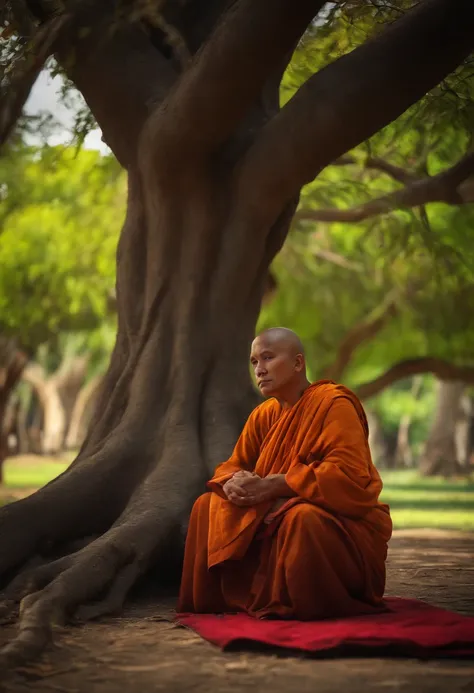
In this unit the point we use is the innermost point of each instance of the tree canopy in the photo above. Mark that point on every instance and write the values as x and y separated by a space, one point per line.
407 265
60 218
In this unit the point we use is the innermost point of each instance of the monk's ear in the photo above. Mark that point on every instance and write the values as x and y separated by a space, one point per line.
299 365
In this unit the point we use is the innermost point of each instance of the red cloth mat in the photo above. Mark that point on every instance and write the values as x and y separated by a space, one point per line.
411 628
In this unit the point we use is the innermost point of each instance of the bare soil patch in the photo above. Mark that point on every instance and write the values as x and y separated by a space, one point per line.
143 651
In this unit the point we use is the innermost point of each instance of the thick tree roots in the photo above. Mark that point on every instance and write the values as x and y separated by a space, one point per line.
48 594
52 578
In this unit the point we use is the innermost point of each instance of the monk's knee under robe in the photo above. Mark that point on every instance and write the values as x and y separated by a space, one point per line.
310 568
323 555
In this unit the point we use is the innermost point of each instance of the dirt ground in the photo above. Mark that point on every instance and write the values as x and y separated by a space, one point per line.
143 652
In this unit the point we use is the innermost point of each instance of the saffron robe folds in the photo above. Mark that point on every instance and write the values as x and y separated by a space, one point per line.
323 553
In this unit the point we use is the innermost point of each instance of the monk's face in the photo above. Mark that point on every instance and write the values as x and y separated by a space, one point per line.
276 366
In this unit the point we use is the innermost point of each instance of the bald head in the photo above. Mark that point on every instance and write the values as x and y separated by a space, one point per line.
284 338
277 358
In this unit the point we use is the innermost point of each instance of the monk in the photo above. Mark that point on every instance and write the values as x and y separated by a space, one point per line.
292 526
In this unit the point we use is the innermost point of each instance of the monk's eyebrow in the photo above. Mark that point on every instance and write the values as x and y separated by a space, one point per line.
265 352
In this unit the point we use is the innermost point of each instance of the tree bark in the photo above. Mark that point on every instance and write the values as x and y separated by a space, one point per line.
12 363
203 225
440 455
81 415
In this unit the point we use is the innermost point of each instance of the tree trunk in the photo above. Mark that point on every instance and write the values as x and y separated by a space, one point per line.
214 175
440 453
82 413
169 410
53 413
12 363
69 380
22 430
379 446
462 434
404 453
56 396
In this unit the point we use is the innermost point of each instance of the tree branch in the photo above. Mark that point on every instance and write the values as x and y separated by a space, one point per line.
11 359
373 162
404 369
41 46
120 74
336 259
359 334
112 62
445 187
354 97
229 73
396 172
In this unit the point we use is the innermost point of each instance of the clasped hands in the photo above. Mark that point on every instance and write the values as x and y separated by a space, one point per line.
247 488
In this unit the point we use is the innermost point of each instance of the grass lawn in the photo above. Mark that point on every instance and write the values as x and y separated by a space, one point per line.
415 502
30 471
425 502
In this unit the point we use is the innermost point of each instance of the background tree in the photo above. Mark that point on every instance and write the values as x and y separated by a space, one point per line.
388 218
59 222
214 173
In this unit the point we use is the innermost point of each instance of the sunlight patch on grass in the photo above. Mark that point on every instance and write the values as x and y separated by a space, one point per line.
431 519
32 472
415 502
434 503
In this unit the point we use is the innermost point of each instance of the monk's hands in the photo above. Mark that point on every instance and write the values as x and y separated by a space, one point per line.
233 489
247 488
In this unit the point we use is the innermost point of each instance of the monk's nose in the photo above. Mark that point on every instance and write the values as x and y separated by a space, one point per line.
260 371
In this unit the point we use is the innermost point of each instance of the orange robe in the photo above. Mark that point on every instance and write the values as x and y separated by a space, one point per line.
323 553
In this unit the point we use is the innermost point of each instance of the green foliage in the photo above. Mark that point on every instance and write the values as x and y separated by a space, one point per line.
333 277
60 215
398 401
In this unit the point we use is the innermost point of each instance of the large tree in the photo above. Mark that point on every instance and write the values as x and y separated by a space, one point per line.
187 96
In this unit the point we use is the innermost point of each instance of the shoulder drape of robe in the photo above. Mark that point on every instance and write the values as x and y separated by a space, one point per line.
321 445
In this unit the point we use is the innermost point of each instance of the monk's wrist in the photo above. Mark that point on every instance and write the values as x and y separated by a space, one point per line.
278 486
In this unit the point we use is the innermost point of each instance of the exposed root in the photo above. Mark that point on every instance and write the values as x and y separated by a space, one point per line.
69 547
112 603
65 583
36 578
8 611
54 589
37 617
37 574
